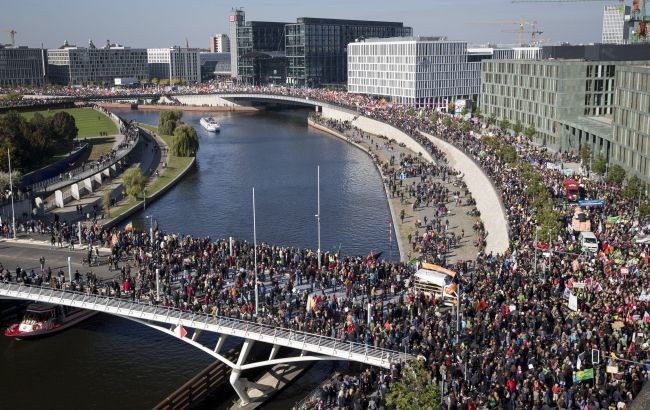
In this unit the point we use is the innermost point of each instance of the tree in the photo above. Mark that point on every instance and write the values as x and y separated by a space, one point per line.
644 210
585 153
504 124
446 121
599 165
15 179
168 121
616 174
164 81
634 188
530 132
185 142
464 111
518 127
414 389
492 119
65 127
476 113
133 181
434 117
154 81
466 127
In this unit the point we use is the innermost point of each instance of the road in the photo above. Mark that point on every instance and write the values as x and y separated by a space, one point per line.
26 254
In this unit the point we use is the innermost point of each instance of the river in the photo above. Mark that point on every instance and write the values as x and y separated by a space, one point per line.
108 362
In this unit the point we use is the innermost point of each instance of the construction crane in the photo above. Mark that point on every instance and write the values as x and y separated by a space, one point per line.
521 28
520 33
12 34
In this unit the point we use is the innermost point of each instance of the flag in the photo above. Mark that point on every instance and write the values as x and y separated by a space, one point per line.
180 331
411 261
586 374
128 227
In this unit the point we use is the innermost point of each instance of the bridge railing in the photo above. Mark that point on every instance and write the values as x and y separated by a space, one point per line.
136 309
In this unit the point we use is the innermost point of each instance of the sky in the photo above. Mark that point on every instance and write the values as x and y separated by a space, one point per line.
163 23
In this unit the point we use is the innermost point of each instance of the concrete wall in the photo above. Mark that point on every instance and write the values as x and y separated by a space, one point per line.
209 100
377 128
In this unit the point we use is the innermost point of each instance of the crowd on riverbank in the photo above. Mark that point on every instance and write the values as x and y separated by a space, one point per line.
520 345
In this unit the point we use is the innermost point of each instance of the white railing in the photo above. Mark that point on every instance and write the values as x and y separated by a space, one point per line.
310 342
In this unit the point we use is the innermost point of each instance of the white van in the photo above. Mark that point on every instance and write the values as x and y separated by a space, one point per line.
436 284
588 240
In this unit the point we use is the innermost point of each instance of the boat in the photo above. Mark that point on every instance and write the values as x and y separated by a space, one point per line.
44 319
210 124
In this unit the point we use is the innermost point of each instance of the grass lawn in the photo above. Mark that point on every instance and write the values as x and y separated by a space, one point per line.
175 165
100 146
89 122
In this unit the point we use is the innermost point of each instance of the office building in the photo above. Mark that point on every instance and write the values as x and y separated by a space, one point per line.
317 48
575 101
176 64
235 20
261 57
631 121
22 66
429 71
616 30
72 65
220 43
214 66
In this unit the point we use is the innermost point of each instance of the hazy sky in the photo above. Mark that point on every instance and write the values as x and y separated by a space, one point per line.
162 23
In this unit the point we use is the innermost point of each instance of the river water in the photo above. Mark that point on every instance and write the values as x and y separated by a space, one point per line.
108 362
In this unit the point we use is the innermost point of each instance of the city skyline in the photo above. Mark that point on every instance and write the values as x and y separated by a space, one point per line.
149 24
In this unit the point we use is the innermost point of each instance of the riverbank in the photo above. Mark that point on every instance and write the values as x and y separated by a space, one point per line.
412 226
170 170
163 107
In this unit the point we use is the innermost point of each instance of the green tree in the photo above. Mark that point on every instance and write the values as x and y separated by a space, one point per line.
492 119
633 187
16 176
434 117
414 389
548 220
530 132
518 127
466 127
585 153
164 81
133 179
616 174
168 121
599 165
476 113
446 121
65 127
185 142
644 210
154 81
464 111
504 124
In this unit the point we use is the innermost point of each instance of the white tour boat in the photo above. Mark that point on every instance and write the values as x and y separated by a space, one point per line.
210 124
42 319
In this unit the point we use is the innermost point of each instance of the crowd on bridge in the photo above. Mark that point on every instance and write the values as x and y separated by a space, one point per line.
519 346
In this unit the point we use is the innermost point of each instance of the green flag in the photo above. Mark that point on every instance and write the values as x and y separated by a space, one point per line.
411 261
586 374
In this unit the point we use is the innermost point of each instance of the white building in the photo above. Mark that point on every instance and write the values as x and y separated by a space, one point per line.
517 53
219 43
414 70
175 64
22 66
616 30
72 65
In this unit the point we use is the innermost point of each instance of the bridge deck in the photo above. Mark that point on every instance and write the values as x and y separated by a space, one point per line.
309 342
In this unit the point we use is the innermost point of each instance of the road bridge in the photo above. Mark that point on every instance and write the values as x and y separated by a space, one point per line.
176 323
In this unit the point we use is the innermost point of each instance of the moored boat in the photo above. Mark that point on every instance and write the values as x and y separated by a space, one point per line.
210 124
43 319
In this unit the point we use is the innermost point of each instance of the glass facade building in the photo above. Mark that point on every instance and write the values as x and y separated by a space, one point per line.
257 42
615 29
317 48
22 66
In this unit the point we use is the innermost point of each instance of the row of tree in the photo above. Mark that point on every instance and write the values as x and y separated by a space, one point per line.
33 143
185 141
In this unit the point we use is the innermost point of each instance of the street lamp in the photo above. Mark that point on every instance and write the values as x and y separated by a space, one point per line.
255 256
318 215
150 218
11 189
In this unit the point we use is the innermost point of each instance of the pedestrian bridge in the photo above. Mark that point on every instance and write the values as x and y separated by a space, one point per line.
174 322
279 99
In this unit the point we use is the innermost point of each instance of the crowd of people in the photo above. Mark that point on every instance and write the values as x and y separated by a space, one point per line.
520 345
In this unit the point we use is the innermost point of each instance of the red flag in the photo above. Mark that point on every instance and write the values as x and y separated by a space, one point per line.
180 331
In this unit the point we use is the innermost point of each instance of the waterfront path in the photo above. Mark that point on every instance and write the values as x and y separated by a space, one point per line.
410 229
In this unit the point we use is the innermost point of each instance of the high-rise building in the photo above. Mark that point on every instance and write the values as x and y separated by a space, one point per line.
235 20
317 48
219 43
176 64
214 65
261 53
22 66
72 65
418 71
616 30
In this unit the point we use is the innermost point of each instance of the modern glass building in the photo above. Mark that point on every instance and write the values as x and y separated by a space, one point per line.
175 64
260 44
22 66
317 48
235 20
